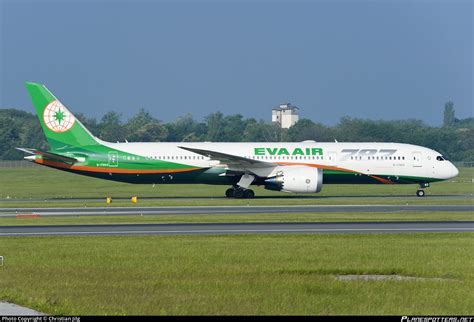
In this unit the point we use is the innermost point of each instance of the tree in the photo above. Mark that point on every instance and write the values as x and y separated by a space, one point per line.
10 139
449 118
215 125
305 129
186 129
234 126
143 127
111 127
150 132
261 131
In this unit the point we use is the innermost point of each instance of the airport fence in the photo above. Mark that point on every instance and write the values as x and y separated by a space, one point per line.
15 164
464 164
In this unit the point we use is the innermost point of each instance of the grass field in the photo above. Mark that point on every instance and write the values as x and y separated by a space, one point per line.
236 218
246 274
45 183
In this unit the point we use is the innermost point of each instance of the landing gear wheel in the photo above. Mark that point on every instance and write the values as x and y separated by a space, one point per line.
420 193
229 193
239 193
249 194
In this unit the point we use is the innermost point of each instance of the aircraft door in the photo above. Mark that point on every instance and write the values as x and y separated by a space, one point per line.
113 159
417 159
332 158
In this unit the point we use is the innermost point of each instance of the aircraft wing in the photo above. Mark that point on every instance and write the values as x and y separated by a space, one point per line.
233 161
48 155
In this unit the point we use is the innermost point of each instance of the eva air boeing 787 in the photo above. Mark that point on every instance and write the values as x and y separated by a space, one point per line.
301 167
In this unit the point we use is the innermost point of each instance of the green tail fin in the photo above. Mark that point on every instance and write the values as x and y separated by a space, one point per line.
61 128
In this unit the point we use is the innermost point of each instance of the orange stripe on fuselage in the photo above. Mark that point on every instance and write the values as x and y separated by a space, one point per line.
328 167
386 181
107 170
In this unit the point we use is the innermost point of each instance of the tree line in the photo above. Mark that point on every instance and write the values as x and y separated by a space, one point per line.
455 139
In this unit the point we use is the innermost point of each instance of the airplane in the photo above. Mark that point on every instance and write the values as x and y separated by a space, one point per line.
298 167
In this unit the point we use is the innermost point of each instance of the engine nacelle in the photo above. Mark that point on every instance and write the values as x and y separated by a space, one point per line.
296 179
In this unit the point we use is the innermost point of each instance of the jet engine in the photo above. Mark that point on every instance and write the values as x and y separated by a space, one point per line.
296 179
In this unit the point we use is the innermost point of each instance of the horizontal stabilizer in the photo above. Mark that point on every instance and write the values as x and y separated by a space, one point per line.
48 155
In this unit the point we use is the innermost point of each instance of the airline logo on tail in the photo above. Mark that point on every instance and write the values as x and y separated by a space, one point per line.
57 117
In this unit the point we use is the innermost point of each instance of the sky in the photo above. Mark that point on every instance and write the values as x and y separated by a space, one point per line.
363 59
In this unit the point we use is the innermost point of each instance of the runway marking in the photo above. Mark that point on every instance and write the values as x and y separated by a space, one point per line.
27 215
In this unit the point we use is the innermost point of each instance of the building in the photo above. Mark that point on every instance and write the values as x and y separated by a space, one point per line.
285 114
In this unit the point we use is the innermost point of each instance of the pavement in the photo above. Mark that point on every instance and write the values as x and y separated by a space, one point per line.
16 310
241 228
196 210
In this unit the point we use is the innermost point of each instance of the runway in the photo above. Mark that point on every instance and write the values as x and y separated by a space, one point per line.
279 197
241 228
206 210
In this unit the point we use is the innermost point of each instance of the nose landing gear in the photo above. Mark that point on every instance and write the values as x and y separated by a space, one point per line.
420 192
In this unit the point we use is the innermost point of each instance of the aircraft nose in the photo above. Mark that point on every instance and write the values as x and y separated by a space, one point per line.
454 171
450 171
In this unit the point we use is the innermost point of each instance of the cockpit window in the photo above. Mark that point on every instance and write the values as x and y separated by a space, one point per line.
440 158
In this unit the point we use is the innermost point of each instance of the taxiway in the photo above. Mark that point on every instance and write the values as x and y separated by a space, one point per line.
241 228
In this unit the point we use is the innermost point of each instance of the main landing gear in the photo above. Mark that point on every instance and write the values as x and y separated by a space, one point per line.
420 192
241 190
239 193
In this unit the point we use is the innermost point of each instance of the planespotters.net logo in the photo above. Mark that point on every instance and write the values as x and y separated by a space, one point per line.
57 117
437 319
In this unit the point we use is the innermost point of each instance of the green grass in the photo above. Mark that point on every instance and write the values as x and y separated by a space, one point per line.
45 183
236 218
239 274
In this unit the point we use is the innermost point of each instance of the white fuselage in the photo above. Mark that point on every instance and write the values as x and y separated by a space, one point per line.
392 159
